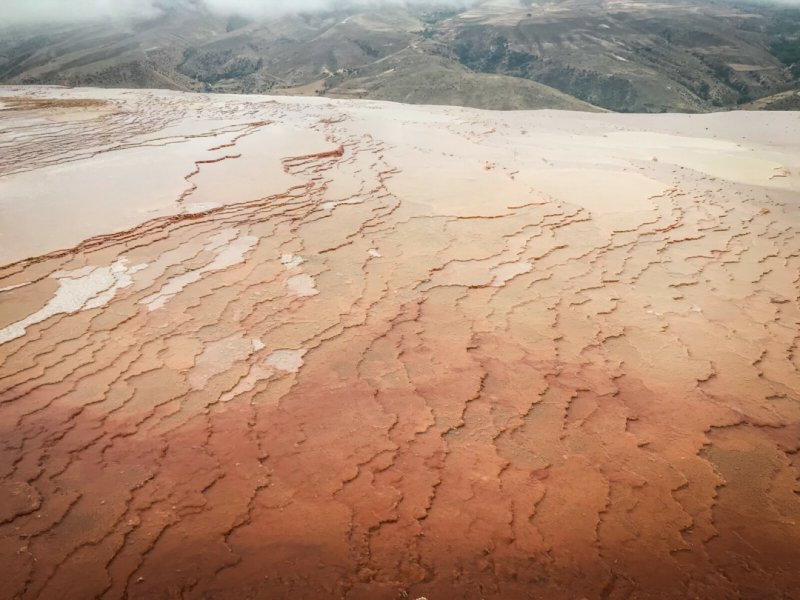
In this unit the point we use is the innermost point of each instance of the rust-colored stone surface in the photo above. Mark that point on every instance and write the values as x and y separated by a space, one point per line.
299 348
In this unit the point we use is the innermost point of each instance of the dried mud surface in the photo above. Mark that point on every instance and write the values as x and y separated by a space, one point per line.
361 350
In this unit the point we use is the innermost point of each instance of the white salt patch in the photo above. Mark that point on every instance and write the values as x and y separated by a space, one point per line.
302 285
286 360
374 253
231 255
217 357
170 289
220 239
228 253
290 261
248 382
200 207
508 271
157 268
13 287
122 279
80 289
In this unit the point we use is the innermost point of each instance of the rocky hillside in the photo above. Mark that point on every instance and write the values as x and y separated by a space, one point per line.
686 55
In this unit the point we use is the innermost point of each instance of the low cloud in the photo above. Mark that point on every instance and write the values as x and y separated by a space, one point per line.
26 12
21 12
257 8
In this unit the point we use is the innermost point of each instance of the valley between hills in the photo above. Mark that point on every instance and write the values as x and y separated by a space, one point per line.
690 56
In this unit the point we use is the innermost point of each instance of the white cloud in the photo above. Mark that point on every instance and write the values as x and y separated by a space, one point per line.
16 12
258 8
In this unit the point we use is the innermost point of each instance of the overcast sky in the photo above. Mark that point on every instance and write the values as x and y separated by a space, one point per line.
14 12
31 11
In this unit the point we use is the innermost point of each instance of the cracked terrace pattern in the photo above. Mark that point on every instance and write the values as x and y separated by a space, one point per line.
362 350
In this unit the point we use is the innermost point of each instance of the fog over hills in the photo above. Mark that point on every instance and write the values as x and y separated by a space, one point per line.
687 55
41 11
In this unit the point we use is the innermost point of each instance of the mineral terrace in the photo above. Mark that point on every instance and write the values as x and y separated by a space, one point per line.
257 347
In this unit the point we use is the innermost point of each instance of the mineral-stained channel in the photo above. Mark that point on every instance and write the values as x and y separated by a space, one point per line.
258 347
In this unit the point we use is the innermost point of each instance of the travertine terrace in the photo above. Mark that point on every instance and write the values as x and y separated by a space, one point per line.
260 347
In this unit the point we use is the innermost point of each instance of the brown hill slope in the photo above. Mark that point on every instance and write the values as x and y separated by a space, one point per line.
686 55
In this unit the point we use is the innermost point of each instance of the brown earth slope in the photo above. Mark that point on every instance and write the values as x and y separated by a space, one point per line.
681 55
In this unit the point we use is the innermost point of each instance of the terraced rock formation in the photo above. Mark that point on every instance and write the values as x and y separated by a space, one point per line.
258 347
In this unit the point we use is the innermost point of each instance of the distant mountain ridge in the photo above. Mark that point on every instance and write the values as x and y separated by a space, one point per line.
687 56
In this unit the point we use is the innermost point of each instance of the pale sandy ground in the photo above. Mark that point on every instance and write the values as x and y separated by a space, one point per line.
265 347
140 169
